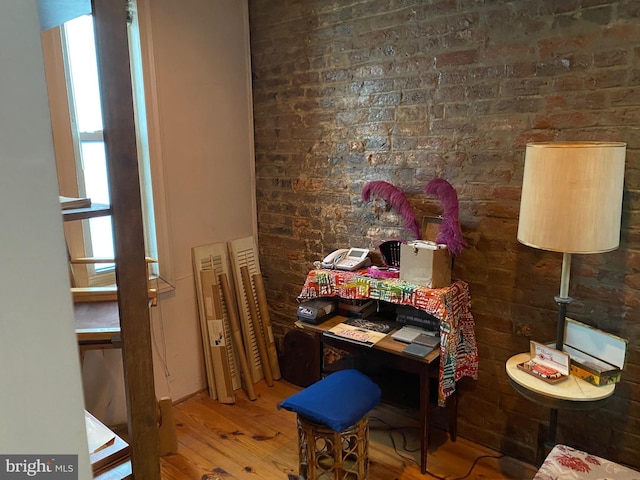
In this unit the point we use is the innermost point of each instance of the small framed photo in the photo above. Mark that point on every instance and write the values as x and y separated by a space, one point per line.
546 363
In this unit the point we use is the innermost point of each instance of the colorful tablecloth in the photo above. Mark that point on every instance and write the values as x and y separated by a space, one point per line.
452 305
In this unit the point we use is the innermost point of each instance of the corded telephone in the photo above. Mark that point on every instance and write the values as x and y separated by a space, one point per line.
347 259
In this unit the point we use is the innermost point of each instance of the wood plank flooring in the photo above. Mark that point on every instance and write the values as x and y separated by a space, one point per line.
254 440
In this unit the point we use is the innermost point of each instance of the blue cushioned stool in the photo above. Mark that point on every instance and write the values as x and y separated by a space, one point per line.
333 427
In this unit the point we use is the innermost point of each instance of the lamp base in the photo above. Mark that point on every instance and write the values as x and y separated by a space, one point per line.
562 314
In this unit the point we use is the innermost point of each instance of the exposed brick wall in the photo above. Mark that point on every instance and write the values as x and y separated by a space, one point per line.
405 91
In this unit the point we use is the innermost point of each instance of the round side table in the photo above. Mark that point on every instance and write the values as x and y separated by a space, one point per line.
571 394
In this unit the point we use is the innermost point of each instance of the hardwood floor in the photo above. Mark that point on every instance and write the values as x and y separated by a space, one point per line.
255 440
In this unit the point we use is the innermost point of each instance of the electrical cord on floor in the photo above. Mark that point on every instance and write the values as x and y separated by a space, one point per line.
473 465
400 430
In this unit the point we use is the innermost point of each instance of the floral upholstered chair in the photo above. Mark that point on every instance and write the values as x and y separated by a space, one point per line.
566 463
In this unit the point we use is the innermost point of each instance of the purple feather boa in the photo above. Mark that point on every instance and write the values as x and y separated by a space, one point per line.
449 232
396 200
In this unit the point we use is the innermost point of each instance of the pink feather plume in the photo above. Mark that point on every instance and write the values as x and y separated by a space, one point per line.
396 200
449 232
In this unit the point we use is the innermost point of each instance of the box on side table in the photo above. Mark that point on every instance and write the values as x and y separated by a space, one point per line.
596 356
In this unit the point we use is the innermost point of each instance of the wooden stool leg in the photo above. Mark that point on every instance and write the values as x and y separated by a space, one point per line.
325 453
303 450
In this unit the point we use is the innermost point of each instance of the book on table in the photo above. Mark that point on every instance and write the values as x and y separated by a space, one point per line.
422 344
361 331
418 350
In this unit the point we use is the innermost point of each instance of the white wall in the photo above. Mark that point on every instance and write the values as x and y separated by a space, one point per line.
204 138
41 403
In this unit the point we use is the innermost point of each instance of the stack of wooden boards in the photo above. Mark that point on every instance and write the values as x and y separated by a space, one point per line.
234 321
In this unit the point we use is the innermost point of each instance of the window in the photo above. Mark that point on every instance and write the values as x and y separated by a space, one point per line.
80 154
86 115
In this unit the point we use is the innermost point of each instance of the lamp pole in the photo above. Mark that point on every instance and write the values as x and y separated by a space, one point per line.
563 299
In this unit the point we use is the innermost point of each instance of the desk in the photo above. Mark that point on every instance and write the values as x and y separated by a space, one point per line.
391 352
571 394
452 305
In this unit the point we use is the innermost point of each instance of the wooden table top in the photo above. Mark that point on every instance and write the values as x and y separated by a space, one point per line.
573 389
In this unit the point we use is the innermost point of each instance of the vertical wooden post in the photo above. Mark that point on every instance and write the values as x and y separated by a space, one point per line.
131 271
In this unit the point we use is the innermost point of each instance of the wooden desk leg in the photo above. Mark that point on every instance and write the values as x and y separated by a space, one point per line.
452 414
319 351
424 417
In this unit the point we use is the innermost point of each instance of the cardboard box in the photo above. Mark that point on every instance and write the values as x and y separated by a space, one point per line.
425 263
596 356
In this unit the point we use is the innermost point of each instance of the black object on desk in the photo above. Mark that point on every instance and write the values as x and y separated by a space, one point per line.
407 315
317 310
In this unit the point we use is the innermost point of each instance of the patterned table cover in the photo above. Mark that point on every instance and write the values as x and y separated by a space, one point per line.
452 305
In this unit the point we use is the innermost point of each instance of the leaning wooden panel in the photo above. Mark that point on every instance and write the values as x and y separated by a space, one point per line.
243 253
214 257
263 308
218 343
202 260
257 328
236 333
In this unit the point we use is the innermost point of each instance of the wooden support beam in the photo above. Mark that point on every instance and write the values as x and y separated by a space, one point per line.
131 270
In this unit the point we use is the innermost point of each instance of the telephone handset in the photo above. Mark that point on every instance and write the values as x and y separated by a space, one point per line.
347 259
331 259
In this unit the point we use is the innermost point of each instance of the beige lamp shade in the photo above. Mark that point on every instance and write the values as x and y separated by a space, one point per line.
572 196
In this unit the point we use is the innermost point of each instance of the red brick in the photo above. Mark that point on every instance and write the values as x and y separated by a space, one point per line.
552 47
463 57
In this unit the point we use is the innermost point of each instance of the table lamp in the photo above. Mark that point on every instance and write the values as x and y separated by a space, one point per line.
571 203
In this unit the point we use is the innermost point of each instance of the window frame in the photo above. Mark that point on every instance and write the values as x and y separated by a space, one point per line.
67 149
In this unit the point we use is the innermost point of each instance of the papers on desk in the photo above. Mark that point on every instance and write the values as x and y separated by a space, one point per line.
360 331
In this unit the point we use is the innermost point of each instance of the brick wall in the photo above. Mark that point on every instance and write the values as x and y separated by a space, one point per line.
405 91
